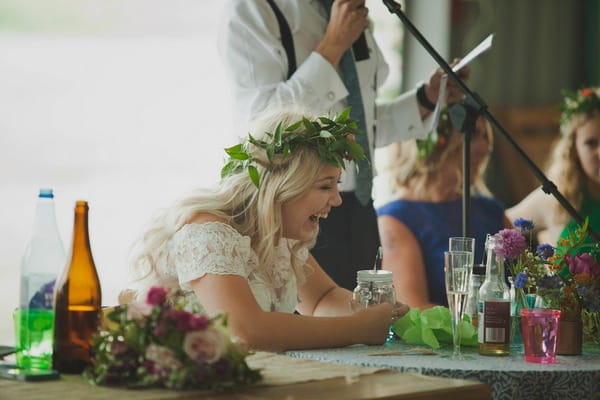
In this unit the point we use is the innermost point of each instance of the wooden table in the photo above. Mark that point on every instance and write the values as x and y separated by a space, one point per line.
382 385
378 385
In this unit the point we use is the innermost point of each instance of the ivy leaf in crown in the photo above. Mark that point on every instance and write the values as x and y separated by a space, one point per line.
334 140
578 102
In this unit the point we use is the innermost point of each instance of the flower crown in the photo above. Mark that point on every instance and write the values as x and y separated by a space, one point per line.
578 102
436 138
333 140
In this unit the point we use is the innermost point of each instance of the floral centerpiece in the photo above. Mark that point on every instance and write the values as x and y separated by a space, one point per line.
564 277
161 343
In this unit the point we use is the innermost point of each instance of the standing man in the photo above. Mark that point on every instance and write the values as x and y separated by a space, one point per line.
331 42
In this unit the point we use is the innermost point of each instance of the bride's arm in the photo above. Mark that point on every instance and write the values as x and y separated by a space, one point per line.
320 295
275 331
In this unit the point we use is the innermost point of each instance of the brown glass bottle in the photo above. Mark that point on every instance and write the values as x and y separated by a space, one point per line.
77 301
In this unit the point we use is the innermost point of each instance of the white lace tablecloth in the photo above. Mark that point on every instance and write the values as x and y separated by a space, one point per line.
510 377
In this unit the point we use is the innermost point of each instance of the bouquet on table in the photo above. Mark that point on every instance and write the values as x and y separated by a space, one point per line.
162 344
564 277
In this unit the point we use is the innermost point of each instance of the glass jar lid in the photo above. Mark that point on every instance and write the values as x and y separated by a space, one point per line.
371 275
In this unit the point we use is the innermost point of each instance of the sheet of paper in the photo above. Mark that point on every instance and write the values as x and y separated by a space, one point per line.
441 103
480 48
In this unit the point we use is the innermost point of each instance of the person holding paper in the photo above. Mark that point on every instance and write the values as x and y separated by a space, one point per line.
426 176
255 51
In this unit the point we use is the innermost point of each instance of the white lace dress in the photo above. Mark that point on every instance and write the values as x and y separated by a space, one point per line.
217 248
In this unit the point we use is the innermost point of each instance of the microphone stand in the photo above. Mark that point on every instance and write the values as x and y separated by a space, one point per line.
474 104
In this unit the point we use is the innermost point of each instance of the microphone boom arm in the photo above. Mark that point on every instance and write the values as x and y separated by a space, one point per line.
547 186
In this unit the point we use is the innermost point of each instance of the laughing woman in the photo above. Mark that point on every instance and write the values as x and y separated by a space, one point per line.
242 247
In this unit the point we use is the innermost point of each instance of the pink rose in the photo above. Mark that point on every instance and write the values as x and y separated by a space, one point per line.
208 345
138 310
156 296
582 264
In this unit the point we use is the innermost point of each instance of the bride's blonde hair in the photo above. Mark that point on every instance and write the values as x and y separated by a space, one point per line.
253 212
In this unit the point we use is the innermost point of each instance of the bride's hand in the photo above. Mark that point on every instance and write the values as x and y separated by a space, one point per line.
399 310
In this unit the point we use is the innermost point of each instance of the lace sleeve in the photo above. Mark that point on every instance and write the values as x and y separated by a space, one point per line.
208 248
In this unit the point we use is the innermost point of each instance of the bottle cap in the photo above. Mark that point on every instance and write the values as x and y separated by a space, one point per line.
371 275
46 193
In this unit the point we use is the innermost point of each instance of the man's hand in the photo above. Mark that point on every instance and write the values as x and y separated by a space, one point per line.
348 20
432 88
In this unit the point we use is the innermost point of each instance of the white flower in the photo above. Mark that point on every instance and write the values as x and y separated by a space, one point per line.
209 344
162 357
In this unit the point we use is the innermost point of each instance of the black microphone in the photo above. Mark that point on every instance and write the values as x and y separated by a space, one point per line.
360 48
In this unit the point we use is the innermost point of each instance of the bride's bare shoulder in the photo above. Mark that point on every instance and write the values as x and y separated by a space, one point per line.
202 217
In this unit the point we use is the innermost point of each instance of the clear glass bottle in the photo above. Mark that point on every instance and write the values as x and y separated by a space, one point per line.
477 278
494 303
42 260
78 300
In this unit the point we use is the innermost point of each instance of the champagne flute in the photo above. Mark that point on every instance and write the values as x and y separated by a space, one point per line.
457 272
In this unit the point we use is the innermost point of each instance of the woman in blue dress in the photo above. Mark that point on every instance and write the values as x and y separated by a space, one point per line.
426 180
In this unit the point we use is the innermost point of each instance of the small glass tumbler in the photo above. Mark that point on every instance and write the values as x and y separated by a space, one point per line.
539 327
461 244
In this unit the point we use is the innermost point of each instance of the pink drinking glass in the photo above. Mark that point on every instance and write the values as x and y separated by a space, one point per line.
539 327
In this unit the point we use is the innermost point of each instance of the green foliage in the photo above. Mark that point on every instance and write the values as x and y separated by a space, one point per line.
333 140
579 102
432 327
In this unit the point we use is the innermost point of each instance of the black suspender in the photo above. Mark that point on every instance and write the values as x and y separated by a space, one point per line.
286 38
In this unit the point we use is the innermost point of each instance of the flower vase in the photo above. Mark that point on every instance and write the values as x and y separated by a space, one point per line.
591 326
518 302
570 335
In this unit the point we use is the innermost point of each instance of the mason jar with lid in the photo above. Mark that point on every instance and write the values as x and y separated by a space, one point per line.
373 287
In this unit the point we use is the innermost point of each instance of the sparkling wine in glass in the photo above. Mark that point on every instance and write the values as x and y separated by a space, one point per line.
457 271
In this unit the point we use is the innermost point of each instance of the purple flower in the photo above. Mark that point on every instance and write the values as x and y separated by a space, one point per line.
520 280
550 282
156 296
513 243
582 264
118 348
545 251
222 367
591 297
524 225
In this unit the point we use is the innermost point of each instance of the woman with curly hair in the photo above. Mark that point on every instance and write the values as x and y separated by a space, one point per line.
242 247
574 168
426 180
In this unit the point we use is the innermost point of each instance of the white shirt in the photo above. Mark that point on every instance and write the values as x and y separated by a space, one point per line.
256 62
